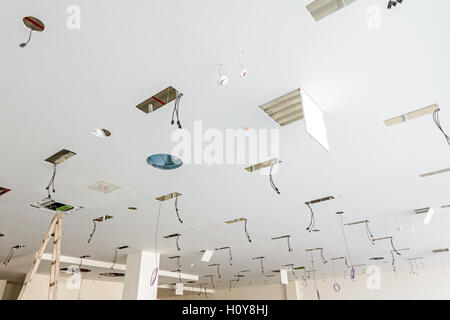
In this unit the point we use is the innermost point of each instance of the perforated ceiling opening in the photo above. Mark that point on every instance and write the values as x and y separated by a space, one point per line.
158 100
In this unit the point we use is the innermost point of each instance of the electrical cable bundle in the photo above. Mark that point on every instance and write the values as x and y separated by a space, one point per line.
272 184
369 234
51 182
438 124
352 272
175 110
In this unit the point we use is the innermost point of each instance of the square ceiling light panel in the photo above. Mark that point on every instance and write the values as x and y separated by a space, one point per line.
315 120
104 187
320 9
158 100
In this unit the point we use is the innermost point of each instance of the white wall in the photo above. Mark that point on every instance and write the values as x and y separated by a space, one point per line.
90 289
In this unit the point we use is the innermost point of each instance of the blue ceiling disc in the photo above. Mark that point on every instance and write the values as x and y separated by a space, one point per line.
164 161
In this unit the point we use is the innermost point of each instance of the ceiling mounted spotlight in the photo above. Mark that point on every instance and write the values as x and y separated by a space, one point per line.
33 24
223 80
164 161
101 133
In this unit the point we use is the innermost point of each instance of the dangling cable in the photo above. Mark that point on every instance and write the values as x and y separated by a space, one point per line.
178 246
246 232
218 271
289 244
176 210
262 266
156 269
114 259
11 253
393 261
176 109
312 220
352 272
438 124
346 263
369 234
51 182
293 272
323 258
314 275
93 231
230 257
272 184
22 45
393 248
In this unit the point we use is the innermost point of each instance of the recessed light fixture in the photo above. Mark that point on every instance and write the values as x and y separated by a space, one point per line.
320 9
158 100
164 161
101 133
285 109
104 187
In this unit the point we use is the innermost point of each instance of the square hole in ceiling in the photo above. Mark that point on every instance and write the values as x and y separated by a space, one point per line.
60 156
104 187
158 100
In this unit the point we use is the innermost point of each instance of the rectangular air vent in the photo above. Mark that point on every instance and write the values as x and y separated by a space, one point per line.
423 210
320 9
169 196
285 109
3 191
262 165
104 187
411 115
60 157
158 100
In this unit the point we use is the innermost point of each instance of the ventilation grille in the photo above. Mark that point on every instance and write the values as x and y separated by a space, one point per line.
158 100
60 156
422 210
286 109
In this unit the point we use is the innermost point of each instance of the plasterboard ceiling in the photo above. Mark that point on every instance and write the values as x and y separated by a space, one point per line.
67 82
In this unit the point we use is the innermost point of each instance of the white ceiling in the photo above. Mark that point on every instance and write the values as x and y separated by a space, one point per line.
68 82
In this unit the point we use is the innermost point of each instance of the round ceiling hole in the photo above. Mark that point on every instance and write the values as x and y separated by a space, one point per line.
164 161
101 133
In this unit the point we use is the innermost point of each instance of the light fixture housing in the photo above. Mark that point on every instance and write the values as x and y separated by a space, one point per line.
164 161
320 9
101 133
158 100
285 109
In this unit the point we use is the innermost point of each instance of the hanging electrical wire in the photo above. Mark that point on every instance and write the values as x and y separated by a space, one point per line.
11 253
336 286
314 275
392 243
352 272
156 269
246 231
114 259
51 183
272 184
176 210
212 280
176 109
178 245
230 257
438 124
288 241
261 261
93 231
368 232
321 255
312 220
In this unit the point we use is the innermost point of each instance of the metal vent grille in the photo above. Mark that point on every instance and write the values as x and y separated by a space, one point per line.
158 100
286 109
